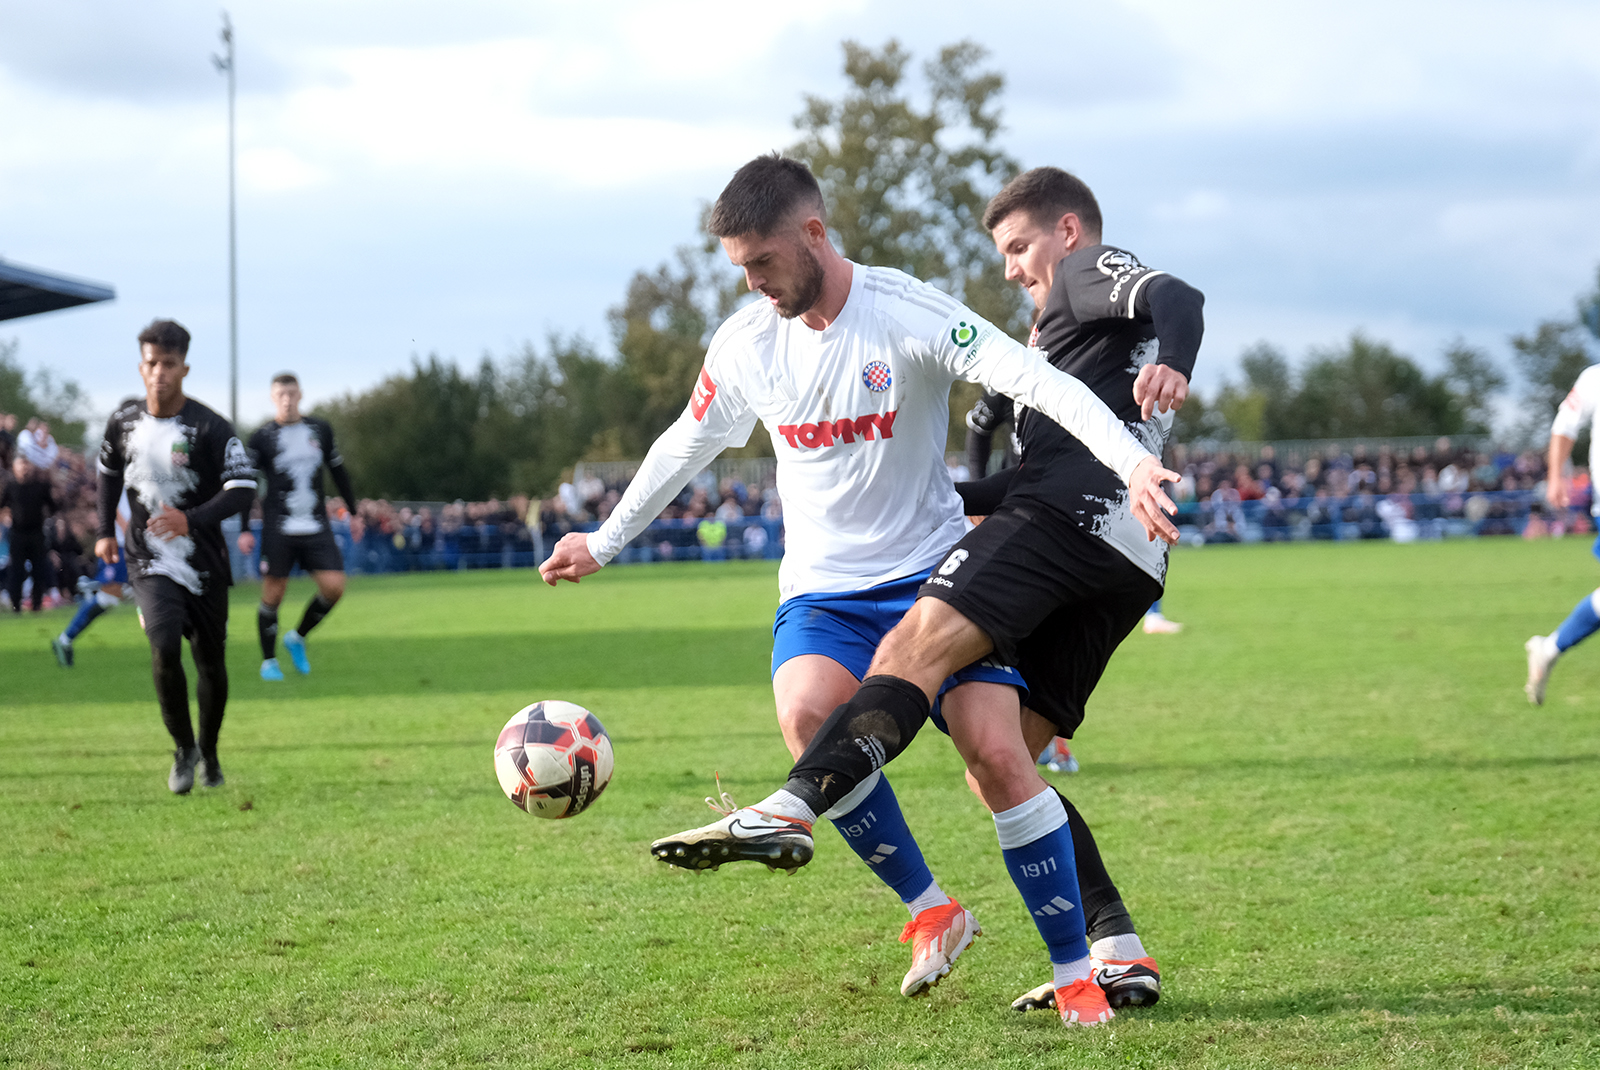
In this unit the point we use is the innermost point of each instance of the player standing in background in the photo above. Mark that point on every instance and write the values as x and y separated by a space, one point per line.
29 496
1057 575
290 452
185 471
102 595
1582 404
850 367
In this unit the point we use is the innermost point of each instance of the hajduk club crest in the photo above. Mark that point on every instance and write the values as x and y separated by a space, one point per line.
876 376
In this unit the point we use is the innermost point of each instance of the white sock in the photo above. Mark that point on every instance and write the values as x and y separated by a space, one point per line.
1068 972
788 804
1551 651
64 639
1123 948
932 896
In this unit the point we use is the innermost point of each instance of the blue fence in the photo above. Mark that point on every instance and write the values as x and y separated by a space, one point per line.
411 549
1400 517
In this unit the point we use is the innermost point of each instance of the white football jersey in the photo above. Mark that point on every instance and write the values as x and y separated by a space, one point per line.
859 415
1582 405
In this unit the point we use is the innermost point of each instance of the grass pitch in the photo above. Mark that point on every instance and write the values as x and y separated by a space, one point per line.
1342 831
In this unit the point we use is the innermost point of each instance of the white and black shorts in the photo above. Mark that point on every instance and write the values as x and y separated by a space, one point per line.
1054 600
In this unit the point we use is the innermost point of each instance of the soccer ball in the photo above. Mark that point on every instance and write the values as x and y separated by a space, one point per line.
553 759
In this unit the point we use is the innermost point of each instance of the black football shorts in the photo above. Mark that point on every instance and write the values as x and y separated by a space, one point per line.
169 612
1055 601
313 553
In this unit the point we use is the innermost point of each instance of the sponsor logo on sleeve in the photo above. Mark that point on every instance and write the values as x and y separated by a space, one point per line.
963 334
1121 267
704 392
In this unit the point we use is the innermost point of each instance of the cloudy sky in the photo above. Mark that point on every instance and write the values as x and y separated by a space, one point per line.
421 177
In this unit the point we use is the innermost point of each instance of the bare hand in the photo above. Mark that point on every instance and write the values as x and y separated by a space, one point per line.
1557 491
106 550
570 560
1159 387
247 543
169 523
1151 506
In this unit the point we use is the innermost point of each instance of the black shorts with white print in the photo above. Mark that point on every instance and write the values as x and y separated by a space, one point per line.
1055 601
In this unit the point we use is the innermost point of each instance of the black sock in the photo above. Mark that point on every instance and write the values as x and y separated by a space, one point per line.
1103 911
857 739
172 692
211 694
267 625
316 609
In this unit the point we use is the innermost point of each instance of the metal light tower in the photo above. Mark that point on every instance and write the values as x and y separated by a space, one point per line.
225 64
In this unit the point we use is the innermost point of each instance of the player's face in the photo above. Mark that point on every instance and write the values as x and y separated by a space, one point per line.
1031 252
780 267
162 371
286 402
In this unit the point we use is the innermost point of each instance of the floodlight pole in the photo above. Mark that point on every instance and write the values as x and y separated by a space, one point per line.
225 64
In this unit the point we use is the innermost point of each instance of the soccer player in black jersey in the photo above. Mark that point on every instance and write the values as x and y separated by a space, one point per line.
1053 579
290 451
185 471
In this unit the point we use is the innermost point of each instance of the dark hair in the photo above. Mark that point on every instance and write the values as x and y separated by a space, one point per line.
1046 194
762 195
285 378
166 334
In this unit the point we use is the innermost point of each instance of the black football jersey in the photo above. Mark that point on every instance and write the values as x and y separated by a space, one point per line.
290 458
1097 326
182 461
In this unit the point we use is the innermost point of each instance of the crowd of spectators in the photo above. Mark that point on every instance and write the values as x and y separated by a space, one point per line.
1340 493
1245 494
59 485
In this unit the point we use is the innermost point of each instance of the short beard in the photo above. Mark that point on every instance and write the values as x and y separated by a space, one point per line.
807 288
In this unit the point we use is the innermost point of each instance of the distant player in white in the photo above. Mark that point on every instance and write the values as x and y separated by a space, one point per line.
1582 405
850 368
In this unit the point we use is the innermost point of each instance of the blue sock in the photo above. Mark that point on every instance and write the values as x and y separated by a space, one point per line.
870 821
1155 607
1037 846
88 610
1581 623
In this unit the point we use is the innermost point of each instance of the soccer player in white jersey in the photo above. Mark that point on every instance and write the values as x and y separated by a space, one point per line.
1582 405
850 369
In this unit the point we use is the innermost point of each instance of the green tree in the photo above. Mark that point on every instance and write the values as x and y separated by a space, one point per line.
1549 359
907 183
427 435
1474 380
62 402
1366 388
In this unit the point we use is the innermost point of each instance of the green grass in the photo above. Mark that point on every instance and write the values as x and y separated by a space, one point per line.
1344 834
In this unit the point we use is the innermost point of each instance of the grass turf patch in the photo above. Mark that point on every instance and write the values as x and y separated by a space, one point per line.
1342 831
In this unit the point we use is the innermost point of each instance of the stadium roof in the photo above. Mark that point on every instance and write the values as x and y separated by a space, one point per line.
26 291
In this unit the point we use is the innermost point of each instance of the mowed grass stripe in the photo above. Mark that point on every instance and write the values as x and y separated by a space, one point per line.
1344 833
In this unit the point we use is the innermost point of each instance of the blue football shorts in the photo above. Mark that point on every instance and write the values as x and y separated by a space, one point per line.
848 627
1596 547
117 573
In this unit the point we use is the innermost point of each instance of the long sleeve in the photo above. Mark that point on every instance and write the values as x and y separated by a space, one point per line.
341 481
228 502
980 497
108 493
1005 366
1176 310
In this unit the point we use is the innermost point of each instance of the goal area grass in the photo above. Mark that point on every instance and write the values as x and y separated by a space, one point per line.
1341 829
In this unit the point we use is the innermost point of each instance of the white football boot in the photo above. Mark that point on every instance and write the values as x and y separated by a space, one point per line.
744 834
1542 655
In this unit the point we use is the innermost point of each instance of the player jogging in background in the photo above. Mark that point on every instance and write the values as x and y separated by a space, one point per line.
105 592
1582 405
1062 569
185 471
290 452
850 368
